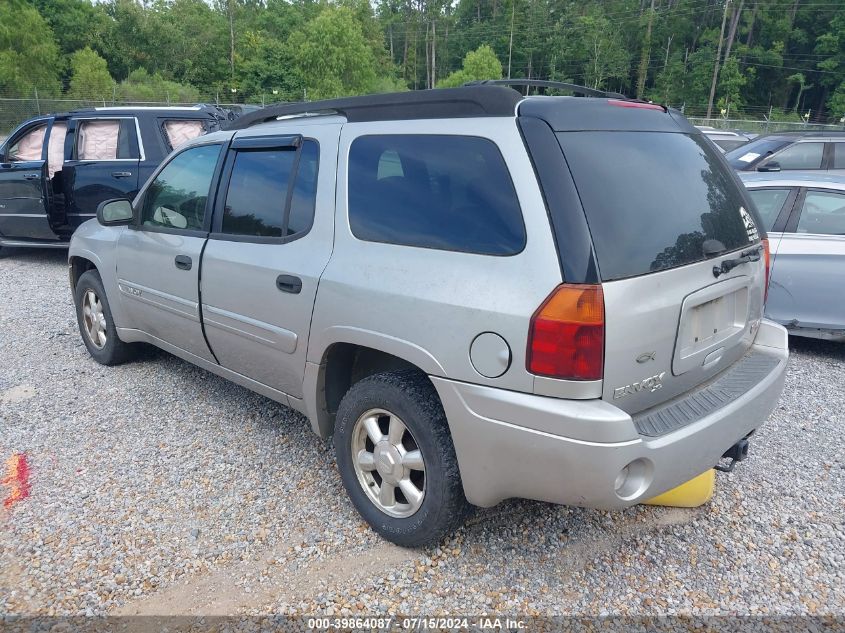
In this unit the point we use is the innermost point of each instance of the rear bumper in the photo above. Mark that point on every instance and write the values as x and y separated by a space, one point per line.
573 452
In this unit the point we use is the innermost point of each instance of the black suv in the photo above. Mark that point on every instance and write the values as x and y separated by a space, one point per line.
55 169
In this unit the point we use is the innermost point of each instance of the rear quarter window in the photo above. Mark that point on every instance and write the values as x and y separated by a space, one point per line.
769 203
434 191
653 199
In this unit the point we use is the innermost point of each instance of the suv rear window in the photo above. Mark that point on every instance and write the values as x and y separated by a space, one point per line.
653 199
434 191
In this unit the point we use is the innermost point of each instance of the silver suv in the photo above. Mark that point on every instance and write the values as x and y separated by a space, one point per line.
478 295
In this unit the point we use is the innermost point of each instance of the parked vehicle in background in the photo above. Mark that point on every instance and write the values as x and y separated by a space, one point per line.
804 214
55 169
476 295
725 140
791 151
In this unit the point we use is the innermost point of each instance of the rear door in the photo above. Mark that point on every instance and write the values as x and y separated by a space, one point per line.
25 193
665 211
272 238
158 257
103 163
809 273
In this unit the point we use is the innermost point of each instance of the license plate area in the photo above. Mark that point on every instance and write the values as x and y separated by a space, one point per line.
712 319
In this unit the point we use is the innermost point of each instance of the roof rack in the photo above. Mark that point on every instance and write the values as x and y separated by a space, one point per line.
439 103
542 83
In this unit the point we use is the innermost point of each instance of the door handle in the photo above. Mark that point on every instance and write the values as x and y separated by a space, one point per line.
184 262
121 174
31 176
289 283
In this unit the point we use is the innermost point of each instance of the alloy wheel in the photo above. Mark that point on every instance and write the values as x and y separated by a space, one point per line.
94 319
388 463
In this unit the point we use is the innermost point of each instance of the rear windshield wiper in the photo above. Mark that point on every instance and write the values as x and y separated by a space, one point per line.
751 255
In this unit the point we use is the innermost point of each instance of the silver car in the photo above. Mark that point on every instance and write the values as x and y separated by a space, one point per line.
821 152
804 214
474 295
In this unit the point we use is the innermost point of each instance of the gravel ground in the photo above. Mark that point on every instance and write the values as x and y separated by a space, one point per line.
158 488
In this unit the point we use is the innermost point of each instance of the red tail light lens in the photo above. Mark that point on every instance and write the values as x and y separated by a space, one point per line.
768 261
566 335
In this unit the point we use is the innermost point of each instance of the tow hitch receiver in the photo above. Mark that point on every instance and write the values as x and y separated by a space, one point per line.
736 453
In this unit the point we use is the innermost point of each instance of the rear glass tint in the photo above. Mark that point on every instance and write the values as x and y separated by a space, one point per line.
434 191
653 200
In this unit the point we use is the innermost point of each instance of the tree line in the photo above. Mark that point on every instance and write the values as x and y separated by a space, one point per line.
728 57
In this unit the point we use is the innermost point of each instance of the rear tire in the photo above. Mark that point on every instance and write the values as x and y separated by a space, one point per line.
96 325
406 485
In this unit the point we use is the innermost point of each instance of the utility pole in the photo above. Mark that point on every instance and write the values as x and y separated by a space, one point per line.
718 59
433 53
666 60
231 38
643 74
510 46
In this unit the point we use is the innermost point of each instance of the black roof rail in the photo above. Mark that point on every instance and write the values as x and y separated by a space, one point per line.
439 103
542 83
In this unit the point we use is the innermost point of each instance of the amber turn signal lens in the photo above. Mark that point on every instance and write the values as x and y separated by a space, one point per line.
566 335
768 261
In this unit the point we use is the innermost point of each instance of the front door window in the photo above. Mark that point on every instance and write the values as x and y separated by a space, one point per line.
29 146
177 198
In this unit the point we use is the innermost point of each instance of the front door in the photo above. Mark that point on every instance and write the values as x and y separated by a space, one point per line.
25 187
158 257
103 164
272 238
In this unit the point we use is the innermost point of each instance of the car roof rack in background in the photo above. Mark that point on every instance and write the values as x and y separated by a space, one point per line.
439 103
542 83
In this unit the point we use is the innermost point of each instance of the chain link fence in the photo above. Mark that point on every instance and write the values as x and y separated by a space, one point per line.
15 109
764 126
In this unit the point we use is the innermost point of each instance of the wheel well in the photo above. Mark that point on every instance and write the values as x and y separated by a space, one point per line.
346 364
78 267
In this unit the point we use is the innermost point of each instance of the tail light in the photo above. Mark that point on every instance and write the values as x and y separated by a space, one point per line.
566 334
767 258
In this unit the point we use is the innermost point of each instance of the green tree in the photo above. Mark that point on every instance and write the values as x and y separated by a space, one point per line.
599 46
29 56
331 57
731 85
481 63
265 69
89 76
141 86
836 103
76 23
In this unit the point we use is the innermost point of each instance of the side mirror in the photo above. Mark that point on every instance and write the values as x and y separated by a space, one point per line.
114 212
771 165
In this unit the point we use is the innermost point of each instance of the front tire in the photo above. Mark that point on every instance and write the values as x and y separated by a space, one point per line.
96 325
397 460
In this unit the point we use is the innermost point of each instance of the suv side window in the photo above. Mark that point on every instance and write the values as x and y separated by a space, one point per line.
822 213
29 146
264 184
177 198
434 191
800 156
180 131
106 139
